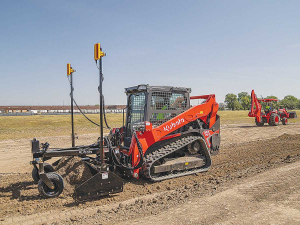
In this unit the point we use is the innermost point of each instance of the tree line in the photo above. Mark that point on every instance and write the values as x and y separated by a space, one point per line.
242 102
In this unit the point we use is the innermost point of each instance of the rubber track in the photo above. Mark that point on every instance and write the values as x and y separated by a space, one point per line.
166 150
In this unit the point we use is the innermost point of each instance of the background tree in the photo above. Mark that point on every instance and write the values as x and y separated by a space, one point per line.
244 99
289 102
272 96
241 95
245 102
232 102
237 106
222 106
298 104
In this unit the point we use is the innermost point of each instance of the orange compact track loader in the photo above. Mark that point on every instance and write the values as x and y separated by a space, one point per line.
164 137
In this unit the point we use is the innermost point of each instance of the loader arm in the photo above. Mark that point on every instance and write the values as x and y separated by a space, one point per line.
257 111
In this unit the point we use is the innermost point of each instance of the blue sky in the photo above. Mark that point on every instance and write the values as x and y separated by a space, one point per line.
215 47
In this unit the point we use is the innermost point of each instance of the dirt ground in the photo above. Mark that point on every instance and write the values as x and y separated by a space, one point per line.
253 180
271 197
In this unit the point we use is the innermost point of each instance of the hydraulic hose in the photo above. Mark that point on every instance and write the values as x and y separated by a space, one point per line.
85 115
89 118
104 114
117 161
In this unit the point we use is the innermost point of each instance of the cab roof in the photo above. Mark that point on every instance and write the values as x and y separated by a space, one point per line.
268 100
146 87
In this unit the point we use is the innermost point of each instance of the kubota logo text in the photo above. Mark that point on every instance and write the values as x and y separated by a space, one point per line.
206 133
173 125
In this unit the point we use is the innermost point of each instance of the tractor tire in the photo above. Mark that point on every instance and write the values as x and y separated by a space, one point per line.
284 121
274 119
259 124
35 172
58 182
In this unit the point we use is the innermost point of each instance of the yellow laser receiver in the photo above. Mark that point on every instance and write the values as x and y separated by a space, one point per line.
69 69
97 52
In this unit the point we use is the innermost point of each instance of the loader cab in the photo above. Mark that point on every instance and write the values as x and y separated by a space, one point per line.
269 105
156 104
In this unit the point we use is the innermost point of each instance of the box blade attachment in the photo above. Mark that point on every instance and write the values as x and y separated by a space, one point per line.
101 184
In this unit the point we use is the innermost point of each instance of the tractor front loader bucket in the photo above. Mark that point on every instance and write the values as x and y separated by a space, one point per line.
293 114
102 183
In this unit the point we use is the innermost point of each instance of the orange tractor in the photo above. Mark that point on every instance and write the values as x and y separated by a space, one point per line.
270 115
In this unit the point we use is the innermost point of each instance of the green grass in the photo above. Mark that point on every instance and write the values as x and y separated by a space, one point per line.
15 127
232 117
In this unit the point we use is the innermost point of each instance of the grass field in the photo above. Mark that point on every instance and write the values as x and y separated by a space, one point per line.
15 127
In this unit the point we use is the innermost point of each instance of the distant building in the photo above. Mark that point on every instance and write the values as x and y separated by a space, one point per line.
58 109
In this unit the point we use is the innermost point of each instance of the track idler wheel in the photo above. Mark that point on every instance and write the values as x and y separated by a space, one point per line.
194 147
35 172
58 183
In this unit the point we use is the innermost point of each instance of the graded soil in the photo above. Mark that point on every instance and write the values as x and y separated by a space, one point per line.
246 152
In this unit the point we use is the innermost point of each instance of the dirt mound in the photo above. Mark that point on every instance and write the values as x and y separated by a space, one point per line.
73 170
286 136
